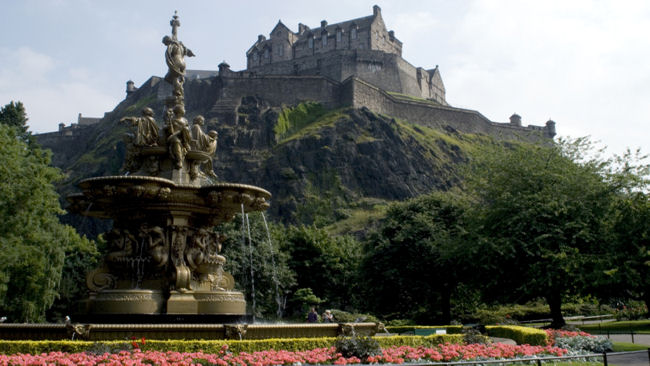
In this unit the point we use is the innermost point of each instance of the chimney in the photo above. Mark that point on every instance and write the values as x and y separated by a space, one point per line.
301 28
323 24
376 10
61 126
515 120
391 35
261 38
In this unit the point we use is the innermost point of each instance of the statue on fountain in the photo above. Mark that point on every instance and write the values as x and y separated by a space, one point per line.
163 252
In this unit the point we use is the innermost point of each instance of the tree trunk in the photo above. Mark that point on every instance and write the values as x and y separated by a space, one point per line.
555 303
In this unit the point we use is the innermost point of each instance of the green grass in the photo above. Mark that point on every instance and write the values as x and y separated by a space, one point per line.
624 347
638 326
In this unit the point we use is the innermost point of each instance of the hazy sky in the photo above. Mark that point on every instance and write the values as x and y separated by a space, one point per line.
585 64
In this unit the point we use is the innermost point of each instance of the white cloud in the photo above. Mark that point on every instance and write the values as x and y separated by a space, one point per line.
29 76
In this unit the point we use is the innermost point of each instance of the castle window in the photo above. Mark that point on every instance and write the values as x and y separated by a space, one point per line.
266 53
255 56
324 38
281 51
311 42
339 35
353 33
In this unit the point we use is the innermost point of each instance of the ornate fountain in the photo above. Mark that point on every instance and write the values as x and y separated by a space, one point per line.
163 276
163 254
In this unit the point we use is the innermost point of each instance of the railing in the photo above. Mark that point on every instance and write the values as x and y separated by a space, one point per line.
538 361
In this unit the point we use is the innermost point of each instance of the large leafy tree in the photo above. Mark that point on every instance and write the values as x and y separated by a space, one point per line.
414 262
624 270
33 243
540 211
325 264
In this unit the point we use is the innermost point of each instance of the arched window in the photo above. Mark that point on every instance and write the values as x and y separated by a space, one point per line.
324 39
266 53
353 32
339 35
311 42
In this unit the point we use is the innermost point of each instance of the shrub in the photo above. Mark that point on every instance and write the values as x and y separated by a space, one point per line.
521 335
589 344
361 347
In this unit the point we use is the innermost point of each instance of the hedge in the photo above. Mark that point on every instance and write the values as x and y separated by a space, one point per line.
451 329
213 346
521 335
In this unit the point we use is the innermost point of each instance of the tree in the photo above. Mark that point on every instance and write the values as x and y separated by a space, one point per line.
33 243
325 264
14 115
624 269
540 211
412 264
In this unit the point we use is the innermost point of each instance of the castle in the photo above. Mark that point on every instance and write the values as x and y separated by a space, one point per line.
361 47
355 63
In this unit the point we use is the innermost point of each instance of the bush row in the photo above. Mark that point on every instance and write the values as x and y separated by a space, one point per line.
451 329
213 346
521 335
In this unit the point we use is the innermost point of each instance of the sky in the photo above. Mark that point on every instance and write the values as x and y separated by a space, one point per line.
584 64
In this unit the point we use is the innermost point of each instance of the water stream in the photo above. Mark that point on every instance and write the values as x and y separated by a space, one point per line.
244 221
250 254
278 296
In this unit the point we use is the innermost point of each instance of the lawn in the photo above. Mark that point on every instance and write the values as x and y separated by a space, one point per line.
637 326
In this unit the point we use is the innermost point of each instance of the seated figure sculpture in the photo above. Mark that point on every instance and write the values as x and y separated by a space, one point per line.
206 142
145 128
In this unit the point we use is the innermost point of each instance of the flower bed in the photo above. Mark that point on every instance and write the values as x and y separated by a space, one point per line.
578 342
323 356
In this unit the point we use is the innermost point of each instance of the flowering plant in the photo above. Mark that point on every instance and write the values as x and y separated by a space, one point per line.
322 356
578 342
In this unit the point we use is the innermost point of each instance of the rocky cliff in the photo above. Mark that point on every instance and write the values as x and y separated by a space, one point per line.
320 165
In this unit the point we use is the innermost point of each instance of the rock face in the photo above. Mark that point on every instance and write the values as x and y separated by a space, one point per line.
343 155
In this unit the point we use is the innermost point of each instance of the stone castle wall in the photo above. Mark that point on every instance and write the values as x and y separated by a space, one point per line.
385 70
360 93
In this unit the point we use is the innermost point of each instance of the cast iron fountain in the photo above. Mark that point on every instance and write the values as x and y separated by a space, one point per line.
163 253
163 276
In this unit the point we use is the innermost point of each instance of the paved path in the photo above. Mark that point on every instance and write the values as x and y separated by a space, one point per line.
634 359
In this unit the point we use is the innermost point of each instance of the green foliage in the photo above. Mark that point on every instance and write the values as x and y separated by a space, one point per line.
361 347
304 299
14 115
584 344
326 200
451 329
33 242
521 335
272 276
540 212
325 264
293 119
341 316
214 346
416 249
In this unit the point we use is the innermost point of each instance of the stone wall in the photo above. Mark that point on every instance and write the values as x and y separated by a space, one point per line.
385 70
435 116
